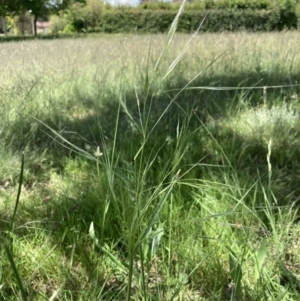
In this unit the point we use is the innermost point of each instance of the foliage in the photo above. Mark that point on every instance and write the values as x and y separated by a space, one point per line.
84 17
288 13
132 20
37 8
22 24
156 17
57 24
210 4
9 6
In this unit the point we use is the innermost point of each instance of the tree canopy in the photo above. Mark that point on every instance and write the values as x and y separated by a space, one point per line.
38 8
9 6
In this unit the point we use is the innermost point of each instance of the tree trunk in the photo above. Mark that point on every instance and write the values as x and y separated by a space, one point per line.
34 20
3 22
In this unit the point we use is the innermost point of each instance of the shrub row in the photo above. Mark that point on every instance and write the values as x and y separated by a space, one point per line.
212 4
131 20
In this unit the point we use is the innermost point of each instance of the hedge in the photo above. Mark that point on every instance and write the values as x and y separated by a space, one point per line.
223 15
212 4
159 21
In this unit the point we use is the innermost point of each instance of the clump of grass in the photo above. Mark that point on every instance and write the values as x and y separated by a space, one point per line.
263 124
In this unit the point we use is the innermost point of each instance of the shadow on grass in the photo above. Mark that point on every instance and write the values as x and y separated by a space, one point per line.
192 108
96 123
99 117
66 221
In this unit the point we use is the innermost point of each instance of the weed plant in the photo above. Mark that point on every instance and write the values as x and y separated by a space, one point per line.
136 183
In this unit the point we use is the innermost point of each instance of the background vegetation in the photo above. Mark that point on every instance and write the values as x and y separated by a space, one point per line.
79 16
150 173
227 15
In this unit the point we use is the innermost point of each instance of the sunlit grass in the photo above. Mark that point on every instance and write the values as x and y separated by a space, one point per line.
133 191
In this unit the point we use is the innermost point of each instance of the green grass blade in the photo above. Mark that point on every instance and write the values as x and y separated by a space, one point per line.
281 296
235 270
19 192
170 36
173 100
185 48
15 271
155 213
72 147
260 258
105 250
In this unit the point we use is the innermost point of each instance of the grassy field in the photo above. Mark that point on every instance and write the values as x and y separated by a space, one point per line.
150 178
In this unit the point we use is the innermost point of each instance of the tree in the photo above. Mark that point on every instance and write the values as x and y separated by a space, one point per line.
43 8
8 7
37 8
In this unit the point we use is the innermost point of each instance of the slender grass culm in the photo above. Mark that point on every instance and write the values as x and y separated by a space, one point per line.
138 216
9 240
